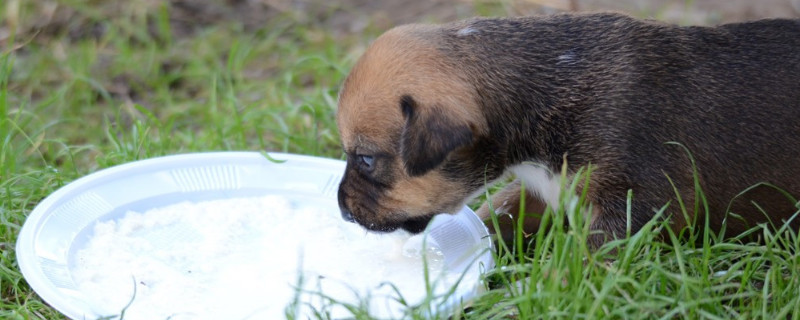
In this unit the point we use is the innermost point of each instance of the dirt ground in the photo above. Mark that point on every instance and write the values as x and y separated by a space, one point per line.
352 16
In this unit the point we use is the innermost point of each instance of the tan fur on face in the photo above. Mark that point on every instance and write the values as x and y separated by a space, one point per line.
422 195
401 62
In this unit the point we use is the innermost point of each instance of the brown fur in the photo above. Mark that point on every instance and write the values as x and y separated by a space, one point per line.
507 204
445 109
375 125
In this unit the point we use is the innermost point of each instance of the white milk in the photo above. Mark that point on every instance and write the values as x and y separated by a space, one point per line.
239 259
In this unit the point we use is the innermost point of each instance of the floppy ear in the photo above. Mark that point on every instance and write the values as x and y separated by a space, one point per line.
430 134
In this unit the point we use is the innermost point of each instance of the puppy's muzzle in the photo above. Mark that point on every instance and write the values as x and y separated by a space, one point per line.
347 215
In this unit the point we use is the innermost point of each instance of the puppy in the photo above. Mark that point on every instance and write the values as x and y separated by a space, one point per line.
431 113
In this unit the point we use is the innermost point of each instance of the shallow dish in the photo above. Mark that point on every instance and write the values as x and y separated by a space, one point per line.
61 224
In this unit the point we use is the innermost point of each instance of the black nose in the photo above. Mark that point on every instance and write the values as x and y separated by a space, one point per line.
347 215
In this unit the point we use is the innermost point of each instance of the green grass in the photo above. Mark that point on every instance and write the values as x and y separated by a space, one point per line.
71 105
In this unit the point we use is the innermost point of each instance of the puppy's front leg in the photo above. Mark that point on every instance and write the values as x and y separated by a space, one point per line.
506 204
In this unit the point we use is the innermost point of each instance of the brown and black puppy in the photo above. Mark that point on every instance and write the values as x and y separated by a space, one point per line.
430 113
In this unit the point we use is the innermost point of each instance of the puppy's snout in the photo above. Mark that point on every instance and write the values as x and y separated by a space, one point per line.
347 215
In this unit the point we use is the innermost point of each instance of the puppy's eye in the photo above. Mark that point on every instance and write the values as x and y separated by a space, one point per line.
366 162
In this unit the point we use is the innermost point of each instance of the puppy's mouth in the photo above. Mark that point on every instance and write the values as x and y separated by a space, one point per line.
413 225
417 224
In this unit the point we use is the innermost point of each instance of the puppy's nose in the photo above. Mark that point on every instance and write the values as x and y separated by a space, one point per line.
347 215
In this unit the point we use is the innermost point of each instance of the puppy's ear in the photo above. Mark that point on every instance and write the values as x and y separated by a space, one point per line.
430 134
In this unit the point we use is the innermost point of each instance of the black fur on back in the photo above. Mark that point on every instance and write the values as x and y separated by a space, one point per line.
612 91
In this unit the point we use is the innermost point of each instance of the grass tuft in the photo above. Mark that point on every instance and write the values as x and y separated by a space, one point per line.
641 276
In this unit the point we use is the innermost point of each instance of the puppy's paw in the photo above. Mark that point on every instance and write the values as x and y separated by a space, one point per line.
506 204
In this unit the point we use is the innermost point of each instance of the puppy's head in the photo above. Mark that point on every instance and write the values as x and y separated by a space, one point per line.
407 117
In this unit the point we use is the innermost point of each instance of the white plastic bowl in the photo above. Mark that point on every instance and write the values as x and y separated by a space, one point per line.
62 222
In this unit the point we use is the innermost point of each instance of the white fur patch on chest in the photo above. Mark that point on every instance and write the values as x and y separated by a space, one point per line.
540 181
